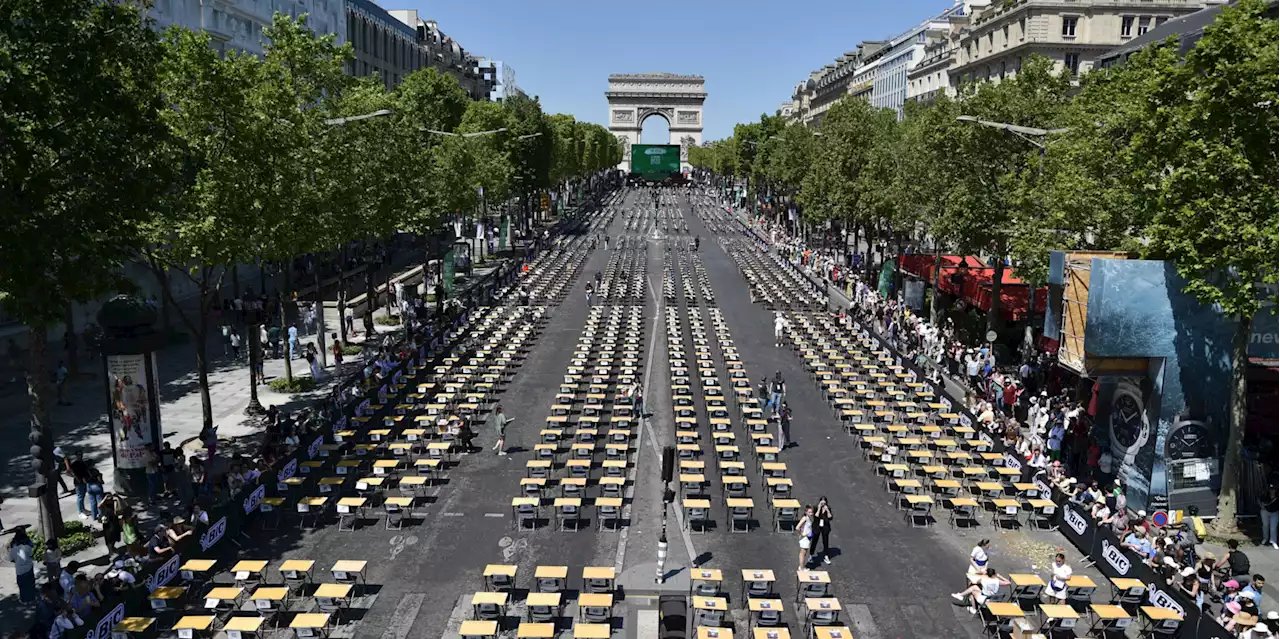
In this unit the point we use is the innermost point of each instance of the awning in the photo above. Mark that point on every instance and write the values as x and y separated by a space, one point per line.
968 278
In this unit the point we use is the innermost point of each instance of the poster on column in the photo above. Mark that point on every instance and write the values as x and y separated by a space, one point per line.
130 408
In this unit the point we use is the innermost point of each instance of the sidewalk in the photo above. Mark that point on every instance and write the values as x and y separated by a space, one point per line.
81 427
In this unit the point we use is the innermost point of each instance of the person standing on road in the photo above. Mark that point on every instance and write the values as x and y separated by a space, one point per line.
784 426
155 479
589 292
804 530
777 390
779 325
235 344
500 421
823 516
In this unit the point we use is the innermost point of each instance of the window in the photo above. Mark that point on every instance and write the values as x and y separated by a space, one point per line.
1002 70
1006 36
1022 28
1126 26
991 42
1069 27
1072 63
1143 25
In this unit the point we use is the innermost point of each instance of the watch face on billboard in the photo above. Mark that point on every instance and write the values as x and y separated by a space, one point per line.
1189 439
1127 416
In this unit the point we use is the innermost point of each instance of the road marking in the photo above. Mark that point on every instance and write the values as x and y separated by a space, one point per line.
404 616
399 543
625 533
494 515
451 514
864 626
644 423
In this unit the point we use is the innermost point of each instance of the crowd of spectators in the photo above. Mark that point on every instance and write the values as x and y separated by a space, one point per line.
1024 410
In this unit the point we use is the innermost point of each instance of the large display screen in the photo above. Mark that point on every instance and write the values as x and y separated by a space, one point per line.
655 161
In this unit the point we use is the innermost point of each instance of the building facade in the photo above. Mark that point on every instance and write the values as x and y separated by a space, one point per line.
237 26
811 98
1074 34
498 78
444 53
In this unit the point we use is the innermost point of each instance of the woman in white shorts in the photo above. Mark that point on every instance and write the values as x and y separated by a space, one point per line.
1058 580
804 529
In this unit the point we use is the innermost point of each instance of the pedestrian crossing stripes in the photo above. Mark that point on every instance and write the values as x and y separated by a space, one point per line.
406 613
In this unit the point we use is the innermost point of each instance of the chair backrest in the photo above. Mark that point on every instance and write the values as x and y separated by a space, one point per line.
740 513
813 590
542 614
596 614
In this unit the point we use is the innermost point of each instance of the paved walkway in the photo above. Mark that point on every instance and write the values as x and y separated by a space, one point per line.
81 427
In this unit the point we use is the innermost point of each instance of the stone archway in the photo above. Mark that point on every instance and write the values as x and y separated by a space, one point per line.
677 98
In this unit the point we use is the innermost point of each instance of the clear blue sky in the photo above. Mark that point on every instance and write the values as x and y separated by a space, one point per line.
751 52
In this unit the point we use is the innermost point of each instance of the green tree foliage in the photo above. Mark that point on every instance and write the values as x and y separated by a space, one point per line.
1205 146
992 202
78 120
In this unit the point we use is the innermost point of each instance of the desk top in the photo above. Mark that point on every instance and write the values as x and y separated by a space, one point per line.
134 624
1004 609
491 598
758 604
599 572
1104 611
1021 579
601 600
813 576
194 622
494 570
1058 611
477 628
833 632
536 631
1158 613
753 574
333 591
551 572
706 574
310 620
551 599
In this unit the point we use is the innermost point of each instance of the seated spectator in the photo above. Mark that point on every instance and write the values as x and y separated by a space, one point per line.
1226 618
1259 582
179 531
159 548
66 620
1137 542
1236 562
84 600
1119 522
67 578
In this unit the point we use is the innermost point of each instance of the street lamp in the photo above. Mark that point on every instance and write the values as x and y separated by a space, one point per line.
354 118
1030 134
475 134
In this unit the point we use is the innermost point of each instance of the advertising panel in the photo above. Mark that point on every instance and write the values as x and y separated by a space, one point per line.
130 408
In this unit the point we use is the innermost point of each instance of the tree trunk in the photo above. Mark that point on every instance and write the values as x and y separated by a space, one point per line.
284 321
997 278
262 278
371 297
320 336
202 373
42 431
342 297
1225 526
73 356
934 311
235 281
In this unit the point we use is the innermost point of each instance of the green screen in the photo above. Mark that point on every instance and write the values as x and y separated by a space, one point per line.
655 160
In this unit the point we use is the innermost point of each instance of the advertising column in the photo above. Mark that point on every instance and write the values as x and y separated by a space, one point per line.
131 387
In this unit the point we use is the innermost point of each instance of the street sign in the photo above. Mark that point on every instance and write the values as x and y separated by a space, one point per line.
991 336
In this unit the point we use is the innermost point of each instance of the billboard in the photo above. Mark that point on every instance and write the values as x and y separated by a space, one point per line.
655 161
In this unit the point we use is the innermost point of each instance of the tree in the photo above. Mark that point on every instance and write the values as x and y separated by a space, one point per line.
298 71
565 157
206 222
78 105
832 189
988 202
1206 145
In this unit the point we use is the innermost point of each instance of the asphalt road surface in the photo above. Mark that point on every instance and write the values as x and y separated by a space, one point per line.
893 581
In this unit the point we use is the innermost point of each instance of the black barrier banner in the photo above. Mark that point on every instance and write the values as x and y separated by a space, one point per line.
1077 526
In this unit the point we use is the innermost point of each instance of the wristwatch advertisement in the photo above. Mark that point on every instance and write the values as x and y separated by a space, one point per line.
1130 429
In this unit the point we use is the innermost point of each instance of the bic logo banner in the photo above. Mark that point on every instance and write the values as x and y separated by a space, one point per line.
251 502
214 534
314 448
161 577
1115 556
105 624
1075 520
289 470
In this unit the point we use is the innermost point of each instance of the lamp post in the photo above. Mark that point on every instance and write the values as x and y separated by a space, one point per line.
320 334
468 136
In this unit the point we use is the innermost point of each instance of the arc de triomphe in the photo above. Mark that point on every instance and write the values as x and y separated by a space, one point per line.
634 98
